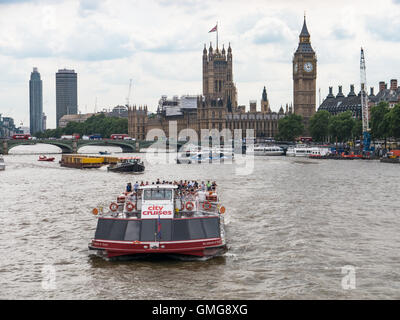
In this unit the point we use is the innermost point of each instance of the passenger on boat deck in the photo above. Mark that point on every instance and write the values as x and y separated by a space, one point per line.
136 186
208 185
203 186
158 181
129 187
214 185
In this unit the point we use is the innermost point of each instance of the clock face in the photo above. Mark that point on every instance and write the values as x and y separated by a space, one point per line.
295 67
308 67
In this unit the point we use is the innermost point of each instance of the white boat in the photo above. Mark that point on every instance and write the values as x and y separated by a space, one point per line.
306 151
2 164
264 150
205 156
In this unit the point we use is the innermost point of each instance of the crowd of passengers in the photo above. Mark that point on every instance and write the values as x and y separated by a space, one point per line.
185 187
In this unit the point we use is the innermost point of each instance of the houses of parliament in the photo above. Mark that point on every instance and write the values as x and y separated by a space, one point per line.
217 107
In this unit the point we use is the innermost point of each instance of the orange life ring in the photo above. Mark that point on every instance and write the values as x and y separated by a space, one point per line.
222 210
113 206
189 206
130 206
208 205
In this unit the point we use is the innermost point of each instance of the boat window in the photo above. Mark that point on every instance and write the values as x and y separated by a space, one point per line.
157 194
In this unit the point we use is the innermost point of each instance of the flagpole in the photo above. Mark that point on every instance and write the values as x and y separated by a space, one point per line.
217 34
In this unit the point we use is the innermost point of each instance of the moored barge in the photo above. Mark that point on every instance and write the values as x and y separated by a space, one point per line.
161 219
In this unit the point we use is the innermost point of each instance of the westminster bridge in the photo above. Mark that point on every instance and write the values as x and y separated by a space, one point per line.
72 146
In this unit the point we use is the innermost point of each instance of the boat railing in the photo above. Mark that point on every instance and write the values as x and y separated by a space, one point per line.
129 205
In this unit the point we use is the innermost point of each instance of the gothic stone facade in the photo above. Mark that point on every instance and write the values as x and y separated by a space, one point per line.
217 107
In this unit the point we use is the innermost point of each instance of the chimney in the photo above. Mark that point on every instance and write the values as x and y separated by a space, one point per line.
340 93
351 93
371 91
330 95
393 84
381 85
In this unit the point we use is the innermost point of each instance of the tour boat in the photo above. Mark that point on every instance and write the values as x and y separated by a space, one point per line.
128 164
44 158
264 150
319 153
206 156
2 164
104 152
306 151
161 219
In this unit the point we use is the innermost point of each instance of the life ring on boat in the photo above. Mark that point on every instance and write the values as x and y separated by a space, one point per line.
130 206
113 206
208 205
222 210
189 206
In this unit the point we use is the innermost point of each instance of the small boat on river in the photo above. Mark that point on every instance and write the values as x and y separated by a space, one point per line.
104 152
391 157
129 164
161 219
44 158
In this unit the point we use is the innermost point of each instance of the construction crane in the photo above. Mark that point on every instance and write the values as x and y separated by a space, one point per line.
364 104
129 93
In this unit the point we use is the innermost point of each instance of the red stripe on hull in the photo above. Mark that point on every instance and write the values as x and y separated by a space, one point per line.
200 248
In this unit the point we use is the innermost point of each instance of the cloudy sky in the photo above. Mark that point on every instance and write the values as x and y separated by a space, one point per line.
158 44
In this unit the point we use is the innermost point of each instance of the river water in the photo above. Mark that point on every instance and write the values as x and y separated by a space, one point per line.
295 228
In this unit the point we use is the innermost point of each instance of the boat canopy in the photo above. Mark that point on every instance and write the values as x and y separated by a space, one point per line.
159 186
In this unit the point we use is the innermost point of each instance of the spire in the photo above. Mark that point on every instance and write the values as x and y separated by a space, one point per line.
304 43
264 95
205 50
304 30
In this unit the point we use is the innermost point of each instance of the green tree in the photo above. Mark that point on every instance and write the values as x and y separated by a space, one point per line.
100 124
393 121
319 123
379 121
357 129
290 127
341 126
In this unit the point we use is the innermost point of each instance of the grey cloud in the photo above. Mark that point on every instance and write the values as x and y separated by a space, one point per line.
340 33
384 29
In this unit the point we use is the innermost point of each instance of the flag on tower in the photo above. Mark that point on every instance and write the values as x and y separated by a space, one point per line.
214 29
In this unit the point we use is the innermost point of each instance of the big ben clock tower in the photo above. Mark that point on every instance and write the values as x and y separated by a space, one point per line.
304 77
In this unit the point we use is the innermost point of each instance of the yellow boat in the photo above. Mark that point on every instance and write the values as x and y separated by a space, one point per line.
83 161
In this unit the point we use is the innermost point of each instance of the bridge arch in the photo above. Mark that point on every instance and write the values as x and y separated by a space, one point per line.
10 144
125 146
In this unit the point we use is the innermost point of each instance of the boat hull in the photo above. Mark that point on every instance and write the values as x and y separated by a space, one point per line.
127 168
199 248
390 160
81 165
